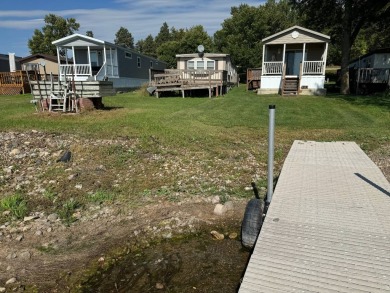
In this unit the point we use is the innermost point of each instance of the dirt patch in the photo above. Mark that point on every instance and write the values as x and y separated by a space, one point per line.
111 198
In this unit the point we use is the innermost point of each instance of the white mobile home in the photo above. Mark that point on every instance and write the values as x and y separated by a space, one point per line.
294 62
94 59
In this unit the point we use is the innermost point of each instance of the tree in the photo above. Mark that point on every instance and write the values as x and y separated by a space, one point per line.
124 38
183 43
163 36
147 46
56 28
241 34
167 53
345 20
89 34
194 37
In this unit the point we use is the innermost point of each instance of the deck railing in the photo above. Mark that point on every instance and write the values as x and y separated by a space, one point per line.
12 83
309 67
373 75
77 70
189 77
275 67
313 67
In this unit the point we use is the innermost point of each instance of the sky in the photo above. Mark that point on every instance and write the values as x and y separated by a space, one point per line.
19 18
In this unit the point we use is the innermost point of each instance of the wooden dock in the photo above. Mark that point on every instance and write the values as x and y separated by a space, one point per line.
328 225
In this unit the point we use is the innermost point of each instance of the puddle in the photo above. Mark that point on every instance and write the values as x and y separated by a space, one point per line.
195 264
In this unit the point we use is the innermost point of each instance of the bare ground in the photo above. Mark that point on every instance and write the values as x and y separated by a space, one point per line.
156 193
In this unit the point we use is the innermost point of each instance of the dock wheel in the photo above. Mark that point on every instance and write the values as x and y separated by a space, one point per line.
253 219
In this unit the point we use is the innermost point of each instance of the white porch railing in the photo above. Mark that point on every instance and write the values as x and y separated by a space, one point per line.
309 67
107 71
313 67
75 69
273 68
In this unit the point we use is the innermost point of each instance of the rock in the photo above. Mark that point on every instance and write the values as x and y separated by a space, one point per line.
228 206
14 152
2 289
215 199
6 213
218 210
38 233
11 255
65 157
25 255
72 176
221 209
52 217
19 238
11 281
26 219
233 235
78 186
217 236
159 286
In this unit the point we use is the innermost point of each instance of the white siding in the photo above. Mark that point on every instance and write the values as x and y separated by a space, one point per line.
303 37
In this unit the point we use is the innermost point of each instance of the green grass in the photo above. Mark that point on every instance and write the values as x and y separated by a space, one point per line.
15 204
202 143
211 122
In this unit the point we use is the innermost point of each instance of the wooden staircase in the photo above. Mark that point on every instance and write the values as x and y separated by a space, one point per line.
290 86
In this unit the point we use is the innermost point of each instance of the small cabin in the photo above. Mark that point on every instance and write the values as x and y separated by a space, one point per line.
370 72
97 60
208 61
294 62
198 71
43 63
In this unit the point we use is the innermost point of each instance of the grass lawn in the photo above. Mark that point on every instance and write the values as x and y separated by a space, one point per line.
195 145
214 123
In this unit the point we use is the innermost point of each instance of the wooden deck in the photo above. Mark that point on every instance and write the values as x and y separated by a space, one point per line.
14 83
215 81
328 226
253 78
89 93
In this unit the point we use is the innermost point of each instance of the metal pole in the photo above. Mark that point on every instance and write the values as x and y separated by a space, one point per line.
271 132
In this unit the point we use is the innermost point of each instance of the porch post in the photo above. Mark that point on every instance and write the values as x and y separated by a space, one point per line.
59 63
74 63
262 65
89 60
326 54
105 61
112 65
284 54
303 58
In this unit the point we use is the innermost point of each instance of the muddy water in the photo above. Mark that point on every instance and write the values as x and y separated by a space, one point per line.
195 264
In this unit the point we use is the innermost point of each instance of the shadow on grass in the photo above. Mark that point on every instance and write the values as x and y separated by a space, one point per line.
110 108
377 99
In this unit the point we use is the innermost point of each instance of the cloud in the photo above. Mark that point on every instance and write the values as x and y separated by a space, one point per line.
141 18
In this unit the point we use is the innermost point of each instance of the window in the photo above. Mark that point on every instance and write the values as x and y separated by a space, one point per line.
210 65
151 64
190 65
139 62
199 64
128 55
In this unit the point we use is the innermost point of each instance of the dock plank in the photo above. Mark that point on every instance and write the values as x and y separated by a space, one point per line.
328 226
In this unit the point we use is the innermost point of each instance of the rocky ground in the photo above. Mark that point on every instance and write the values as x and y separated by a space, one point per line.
78 212
111 196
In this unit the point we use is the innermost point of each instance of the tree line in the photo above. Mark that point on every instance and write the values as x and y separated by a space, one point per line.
356 27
